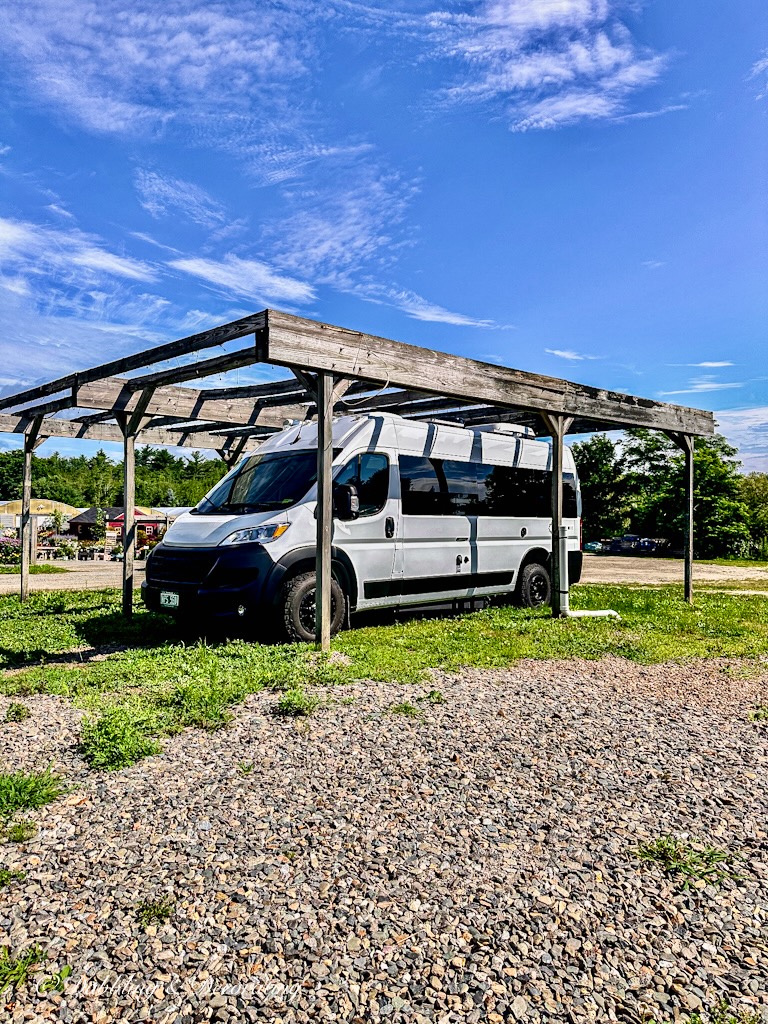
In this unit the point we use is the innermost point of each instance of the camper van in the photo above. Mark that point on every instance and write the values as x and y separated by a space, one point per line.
424 513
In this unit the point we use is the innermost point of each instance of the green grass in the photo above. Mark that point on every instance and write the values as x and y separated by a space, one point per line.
16 971
6 877
406 709
759 714
153 912
687 861
295 703
17 712
17 831
35 570
157 685
720 1014
23 791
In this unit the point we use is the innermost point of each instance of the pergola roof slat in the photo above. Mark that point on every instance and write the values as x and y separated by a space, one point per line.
293 341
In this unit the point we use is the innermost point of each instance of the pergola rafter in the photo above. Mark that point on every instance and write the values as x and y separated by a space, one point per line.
330 366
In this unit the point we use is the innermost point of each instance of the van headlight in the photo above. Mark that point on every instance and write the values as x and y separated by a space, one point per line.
256 534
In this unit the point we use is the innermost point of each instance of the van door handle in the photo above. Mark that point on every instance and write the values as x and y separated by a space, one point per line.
389 527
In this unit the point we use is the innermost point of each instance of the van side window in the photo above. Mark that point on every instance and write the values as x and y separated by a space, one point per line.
422 490
369 473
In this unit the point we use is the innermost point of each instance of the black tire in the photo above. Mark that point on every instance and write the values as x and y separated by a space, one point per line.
296 607
535 587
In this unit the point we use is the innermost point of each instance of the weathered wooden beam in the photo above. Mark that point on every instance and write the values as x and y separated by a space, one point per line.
129 511
307 345
160 353
324 513
685 442
193 371
32 438
186 403
54 427
47 408
558 427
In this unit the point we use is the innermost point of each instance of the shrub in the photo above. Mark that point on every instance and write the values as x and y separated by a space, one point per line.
116 739
16 712
22 791
295 703
10 551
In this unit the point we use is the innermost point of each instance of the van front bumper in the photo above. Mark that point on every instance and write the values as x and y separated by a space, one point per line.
215 582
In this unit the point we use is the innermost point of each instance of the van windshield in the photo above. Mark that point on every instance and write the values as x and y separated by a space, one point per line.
262 483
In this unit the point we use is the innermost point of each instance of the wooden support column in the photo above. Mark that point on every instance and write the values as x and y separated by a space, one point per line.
129 509
31 441
558 425
324 511
685 442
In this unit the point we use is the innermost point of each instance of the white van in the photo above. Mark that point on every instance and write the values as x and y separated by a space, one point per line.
424 513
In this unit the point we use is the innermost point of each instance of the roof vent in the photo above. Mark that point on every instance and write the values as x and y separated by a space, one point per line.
507 428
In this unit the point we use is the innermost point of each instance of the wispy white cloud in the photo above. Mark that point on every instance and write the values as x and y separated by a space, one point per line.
549 64
33 249
654 264
702 385
760 70
161 195
712 364
568 353
249 278
747 430
118 68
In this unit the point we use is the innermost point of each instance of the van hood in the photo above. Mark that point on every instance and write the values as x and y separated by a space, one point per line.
196 531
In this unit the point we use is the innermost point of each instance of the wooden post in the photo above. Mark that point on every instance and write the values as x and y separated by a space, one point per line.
31 441
688 448
557 424
324 511
685 442
129 522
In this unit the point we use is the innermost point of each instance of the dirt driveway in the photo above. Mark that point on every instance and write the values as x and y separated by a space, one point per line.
625 569
78 576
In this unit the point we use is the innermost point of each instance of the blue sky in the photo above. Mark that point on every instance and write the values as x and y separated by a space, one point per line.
574 187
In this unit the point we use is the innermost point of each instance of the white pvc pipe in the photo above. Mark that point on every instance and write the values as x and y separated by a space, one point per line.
565 610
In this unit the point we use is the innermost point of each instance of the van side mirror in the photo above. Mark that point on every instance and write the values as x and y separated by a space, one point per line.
346 503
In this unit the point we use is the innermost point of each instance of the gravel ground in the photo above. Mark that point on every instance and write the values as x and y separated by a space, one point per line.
471 865
78 576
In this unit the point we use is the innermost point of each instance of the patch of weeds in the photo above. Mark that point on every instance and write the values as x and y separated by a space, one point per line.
289 854
55 982
691 861
720 1014
153 912
407 709
759 714
6 877
17 831
23 791
295 703
16 971
17 712
117 738
434 697
245 768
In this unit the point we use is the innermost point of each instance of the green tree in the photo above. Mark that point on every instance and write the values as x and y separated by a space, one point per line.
753 493
604 497
656 481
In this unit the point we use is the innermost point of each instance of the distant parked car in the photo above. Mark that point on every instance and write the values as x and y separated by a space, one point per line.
626 545
593 545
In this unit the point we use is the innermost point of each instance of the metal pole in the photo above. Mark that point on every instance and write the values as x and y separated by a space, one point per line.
30 443
129 525
324 511
688 448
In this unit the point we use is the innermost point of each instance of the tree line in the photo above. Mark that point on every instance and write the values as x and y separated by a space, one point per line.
636 485
161 478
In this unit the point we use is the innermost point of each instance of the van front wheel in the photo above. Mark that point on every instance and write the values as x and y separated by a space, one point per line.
534 588
297 607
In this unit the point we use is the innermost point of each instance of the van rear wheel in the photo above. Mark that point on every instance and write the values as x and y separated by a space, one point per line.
297 607
535 588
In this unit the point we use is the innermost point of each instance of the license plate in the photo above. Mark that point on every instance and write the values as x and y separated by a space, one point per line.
168 599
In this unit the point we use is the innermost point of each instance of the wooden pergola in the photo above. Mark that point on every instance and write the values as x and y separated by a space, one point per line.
328 365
